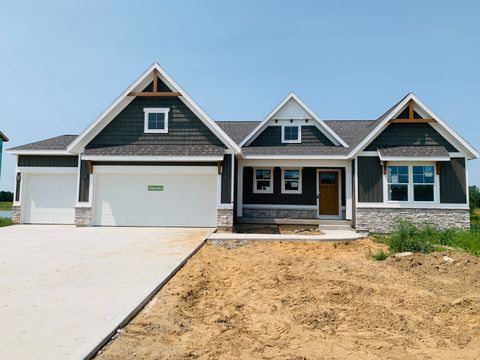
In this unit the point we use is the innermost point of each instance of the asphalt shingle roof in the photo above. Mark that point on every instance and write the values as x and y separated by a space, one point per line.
55 143
414 151
238 130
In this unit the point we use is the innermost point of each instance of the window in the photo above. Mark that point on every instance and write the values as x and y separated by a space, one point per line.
156 120
423 183
291 134
397 180
291 181
263 181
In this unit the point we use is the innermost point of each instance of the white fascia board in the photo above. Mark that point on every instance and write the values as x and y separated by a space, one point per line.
332 135
123 100
413 158
470 150
295 157
39 152
152 158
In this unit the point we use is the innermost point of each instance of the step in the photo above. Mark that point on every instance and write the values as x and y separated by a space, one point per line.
270 221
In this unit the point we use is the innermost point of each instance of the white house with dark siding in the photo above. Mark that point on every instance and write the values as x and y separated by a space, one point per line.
155 158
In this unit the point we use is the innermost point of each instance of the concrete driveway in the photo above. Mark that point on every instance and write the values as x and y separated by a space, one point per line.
63 289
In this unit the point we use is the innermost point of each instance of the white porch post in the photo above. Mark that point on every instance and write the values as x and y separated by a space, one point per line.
240 189
348 192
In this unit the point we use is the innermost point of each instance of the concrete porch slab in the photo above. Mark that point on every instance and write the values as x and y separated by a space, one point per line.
329 235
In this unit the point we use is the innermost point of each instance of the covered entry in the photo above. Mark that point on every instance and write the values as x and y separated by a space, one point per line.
155 196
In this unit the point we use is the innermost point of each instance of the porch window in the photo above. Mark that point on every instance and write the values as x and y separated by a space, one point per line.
397 182
263 181
291 181
156 120
423 183
291 134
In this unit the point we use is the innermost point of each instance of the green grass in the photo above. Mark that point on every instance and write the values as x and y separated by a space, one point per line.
5 222
475 217
380 255
425 239
5 206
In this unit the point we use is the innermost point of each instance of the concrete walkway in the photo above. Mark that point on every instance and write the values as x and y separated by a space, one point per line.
64 289
328 235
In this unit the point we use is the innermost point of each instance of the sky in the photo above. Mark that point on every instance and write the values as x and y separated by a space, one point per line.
63 62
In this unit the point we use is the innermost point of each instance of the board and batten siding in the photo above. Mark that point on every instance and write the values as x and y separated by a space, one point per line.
47 161
370 179
453 182
226 193
409 135
127 128
272 136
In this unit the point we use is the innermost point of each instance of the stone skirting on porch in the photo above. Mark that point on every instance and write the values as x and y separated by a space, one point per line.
83 216
381 220
280 213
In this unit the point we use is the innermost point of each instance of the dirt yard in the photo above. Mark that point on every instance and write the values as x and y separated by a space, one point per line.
271 300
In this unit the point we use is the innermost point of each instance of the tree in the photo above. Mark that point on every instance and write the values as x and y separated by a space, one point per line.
474 194
6 196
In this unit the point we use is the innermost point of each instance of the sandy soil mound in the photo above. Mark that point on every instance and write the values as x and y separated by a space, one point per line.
310 301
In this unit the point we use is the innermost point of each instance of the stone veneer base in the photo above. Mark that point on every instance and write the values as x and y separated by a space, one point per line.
83 216
16 214
225 219
280 213
381 220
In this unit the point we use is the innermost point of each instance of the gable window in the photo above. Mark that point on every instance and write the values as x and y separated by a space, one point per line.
291 181
156 120
263 181
423 183
397 180
291 134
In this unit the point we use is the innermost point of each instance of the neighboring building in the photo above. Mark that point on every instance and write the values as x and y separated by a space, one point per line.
3 139
155 158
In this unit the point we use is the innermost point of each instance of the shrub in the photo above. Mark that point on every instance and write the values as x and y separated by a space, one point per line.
5 222
380 255
474 198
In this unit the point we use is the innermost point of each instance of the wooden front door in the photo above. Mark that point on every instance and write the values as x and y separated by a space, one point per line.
328 193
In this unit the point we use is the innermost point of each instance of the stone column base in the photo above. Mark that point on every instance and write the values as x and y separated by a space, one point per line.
225 219
16 214
382 220
83 216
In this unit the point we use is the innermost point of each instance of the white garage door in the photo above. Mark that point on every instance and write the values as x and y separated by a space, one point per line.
155 196
49 198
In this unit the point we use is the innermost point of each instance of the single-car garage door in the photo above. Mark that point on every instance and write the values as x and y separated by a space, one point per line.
49 198
155 196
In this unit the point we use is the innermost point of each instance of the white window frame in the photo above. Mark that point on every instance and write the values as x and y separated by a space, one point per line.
411 202
148 111
401 184
298 140
429 184
255 190
285 191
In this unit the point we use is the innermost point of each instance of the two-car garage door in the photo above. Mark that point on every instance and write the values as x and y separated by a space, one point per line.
155 196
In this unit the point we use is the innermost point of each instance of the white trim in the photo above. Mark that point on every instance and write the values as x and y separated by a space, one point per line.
470 149
409 206
239 189
152 158
270 206
299 133
295 163
123 100
79 169
255 190
348 192
332 135
47 170
225 206
299 191
339 187
148 111
19 202
367 153
39 152
232 177
413 158
295 157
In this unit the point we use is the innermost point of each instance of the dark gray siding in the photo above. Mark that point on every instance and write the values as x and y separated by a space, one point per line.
307 197
47 160
409 134
84 184
370 184
453 182
226 179
184 127
354 197
272 136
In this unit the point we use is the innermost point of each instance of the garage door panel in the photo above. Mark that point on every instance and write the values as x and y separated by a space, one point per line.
49 198
187 199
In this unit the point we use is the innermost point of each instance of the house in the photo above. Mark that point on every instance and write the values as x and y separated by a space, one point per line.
3 139
155 158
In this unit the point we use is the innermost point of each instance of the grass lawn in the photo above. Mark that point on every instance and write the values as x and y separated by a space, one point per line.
5 206
475 218
5 222
309 300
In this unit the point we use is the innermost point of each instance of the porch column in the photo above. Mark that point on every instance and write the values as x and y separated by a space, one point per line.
239 189
348 192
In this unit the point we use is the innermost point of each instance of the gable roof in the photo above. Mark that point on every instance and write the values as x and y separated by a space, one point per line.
280 107
137 86
383 120
3 137
55 146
